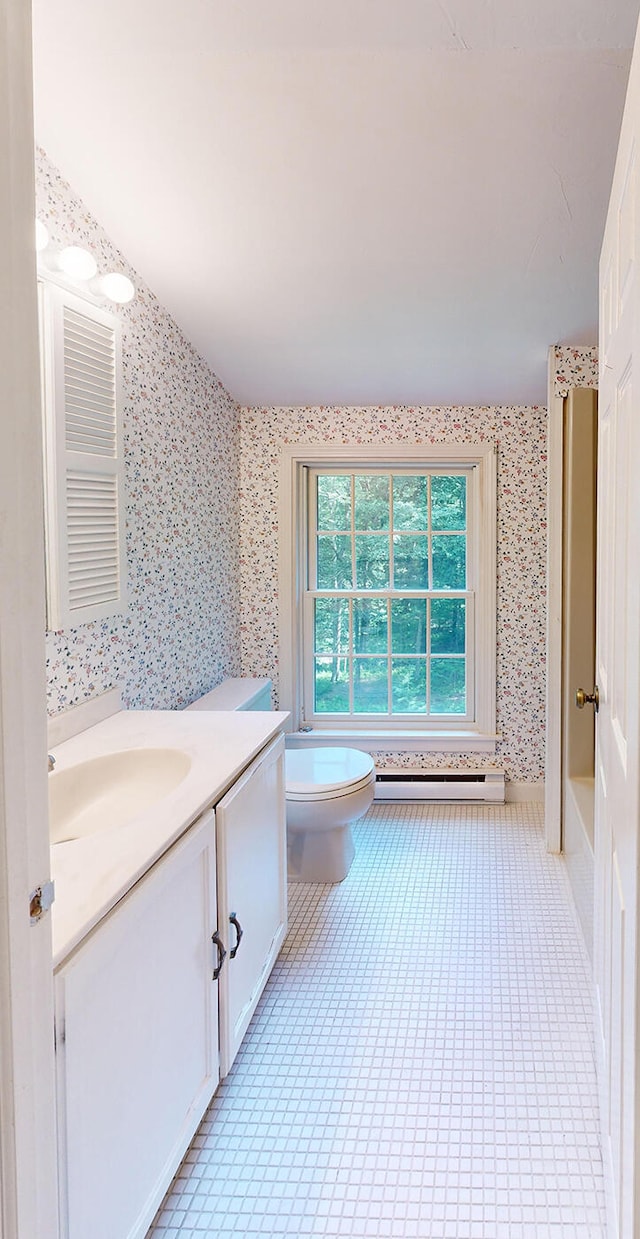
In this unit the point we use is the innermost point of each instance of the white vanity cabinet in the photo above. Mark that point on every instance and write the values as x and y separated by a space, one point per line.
137 1044
150 1011
252 890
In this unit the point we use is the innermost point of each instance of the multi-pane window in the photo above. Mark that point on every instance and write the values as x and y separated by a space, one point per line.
391 586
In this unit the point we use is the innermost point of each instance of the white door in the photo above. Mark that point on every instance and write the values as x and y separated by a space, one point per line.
617 670
27 1099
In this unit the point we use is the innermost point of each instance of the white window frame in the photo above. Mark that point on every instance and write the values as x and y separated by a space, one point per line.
60 462
419 734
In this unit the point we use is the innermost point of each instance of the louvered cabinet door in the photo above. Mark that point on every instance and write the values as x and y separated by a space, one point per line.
84 459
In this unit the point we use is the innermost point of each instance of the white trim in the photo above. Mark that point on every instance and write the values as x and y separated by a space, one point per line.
467 595
28 1190
63 726
298 457
396 742
553 764
521 793
66 282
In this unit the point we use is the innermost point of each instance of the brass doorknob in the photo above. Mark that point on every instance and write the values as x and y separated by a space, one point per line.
582 698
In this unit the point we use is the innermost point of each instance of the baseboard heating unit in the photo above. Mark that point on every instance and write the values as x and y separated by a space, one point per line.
407 784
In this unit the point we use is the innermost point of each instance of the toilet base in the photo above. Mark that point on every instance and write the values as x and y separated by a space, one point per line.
319 855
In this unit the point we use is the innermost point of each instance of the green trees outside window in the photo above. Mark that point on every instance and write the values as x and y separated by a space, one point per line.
389 581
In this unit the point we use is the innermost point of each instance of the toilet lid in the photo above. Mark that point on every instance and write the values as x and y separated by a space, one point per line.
316 771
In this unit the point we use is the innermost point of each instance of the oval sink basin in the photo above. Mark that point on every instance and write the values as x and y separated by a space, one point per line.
110 790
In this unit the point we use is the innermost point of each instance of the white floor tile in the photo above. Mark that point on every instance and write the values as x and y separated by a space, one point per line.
421 1062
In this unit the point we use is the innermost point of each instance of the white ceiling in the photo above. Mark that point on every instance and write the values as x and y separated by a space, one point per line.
349 201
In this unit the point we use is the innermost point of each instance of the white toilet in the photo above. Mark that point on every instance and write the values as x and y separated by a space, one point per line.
327 789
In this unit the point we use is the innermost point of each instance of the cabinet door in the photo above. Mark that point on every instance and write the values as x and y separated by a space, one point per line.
252 886
137 1044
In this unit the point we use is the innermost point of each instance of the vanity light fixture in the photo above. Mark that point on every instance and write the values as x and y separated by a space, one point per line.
77 265
77 262
116 287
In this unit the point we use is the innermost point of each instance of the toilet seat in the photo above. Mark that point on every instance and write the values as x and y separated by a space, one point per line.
326 773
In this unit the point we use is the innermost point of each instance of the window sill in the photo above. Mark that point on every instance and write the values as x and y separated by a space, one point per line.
397 741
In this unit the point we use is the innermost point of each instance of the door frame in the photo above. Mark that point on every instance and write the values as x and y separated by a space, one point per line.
28 1180
555 516
555 468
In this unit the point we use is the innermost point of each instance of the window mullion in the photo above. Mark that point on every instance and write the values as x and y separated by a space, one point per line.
312 533
353 532
389 658
353 594
429 543
351 653
391 532
428 655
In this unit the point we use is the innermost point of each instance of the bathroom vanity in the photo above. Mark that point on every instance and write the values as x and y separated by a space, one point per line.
159 963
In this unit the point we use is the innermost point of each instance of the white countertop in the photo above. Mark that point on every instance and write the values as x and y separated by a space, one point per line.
92 873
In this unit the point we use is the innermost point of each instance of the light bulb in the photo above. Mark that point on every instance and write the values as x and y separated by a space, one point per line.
77 262
117 287
42 236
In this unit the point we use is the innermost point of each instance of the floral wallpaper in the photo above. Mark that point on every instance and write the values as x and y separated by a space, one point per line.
203 598
180 636
575 367
520 434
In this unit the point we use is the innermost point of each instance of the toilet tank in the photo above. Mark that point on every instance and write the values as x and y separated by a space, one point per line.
236 694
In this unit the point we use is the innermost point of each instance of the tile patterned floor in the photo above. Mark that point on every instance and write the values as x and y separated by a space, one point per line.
421 1062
